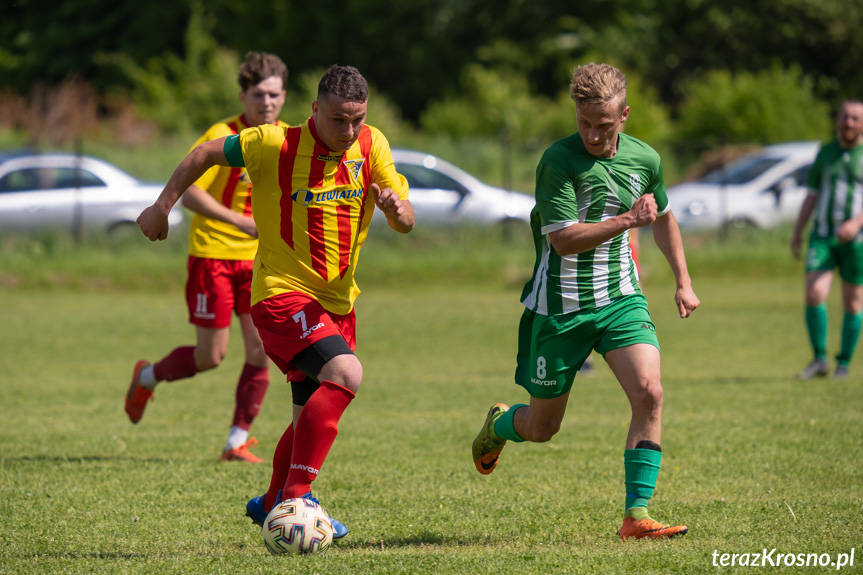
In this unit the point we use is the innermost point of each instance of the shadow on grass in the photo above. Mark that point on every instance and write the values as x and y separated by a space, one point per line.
83 555
748 380
424 539
80 459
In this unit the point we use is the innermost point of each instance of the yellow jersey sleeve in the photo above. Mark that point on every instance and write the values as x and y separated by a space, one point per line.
212 238
383 170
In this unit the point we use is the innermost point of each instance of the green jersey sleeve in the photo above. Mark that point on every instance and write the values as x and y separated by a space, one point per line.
657 188
555 195
813 181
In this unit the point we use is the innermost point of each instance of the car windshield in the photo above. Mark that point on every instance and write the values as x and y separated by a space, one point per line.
742 171
28 179
423 178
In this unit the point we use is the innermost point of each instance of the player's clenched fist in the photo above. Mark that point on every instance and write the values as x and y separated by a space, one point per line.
153 223
399 212
644 210
387 200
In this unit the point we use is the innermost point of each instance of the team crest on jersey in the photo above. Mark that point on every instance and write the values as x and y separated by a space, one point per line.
303 197
635 183
354 167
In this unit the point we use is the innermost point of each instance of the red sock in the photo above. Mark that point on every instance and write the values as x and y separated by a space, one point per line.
314 435
251 389
281 466
179 364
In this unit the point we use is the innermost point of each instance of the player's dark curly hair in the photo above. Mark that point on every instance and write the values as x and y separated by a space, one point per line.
346 82
258 66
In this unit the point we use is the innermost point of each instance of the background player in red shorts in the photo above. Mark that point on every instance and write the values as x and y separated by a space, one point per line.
222 246
316 188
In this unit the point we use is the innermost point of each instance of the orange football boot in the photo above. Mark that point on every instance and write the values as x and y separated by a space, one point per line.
648 528
242 453
138 395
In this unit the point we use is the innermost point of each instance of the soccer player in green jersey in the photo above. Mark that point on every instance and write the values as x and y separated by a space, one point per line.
592 188
836 197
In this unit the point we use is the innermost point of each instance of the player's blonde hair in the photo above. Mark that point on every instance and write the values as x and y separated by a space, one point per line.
597 84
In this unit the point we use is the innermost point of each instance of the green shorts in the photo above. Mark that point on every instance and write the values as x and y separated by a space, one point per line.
551 348
826 254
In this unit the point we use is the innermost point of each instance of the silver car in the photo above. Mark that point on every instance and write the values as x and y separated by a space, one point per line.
75 194
443 194
762 189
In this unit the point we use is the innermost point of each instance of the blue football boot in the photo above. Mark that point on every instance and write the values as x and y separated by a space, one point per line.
256 511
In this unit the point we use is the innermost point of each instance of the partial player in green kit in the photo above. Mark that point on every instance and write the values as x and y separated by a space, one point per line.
836 197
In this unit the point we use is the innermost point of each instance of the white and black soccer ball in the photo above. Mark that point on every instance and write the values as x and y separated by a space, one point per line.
297 527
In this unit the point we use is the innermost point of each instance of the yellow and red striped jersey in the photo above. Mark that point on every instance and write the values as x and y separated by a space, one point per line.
210 238
313 207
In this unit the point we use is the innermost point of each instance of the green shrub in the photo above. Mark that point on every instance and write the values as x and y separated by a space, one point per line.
770 106
495 101
499 104
186 93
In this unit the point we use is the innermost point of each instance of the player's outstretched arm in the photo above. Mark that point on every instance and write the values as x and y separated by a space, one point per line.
399 212
667 236
154 219
579 238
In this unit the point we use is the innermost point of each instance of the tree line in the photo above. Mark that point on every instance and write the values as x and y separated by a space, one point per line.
710 71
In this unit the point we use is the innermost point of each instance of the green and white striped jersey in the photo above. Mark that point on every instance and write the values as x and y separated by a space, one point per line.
837 178
573 186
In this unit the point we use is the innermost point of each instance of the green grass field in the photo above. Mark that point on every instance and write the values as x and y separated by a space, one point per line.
754 460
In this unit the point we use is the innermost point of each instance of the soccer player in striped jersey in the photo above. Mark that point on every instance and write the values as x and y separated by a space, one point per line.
316 188
836 198
222 245
592 188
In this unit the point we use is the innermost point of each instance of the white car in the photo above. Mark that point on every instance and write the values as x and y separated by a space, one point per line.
75 194
442 194
762 189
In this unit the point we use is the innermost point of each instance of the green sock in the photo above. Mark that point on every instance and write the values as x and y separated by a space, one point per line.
850 334
503 427
816 324
641 469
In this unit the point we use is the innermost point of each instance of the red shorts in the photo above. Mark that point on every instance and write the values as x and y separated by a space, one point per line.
289 323
215 288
